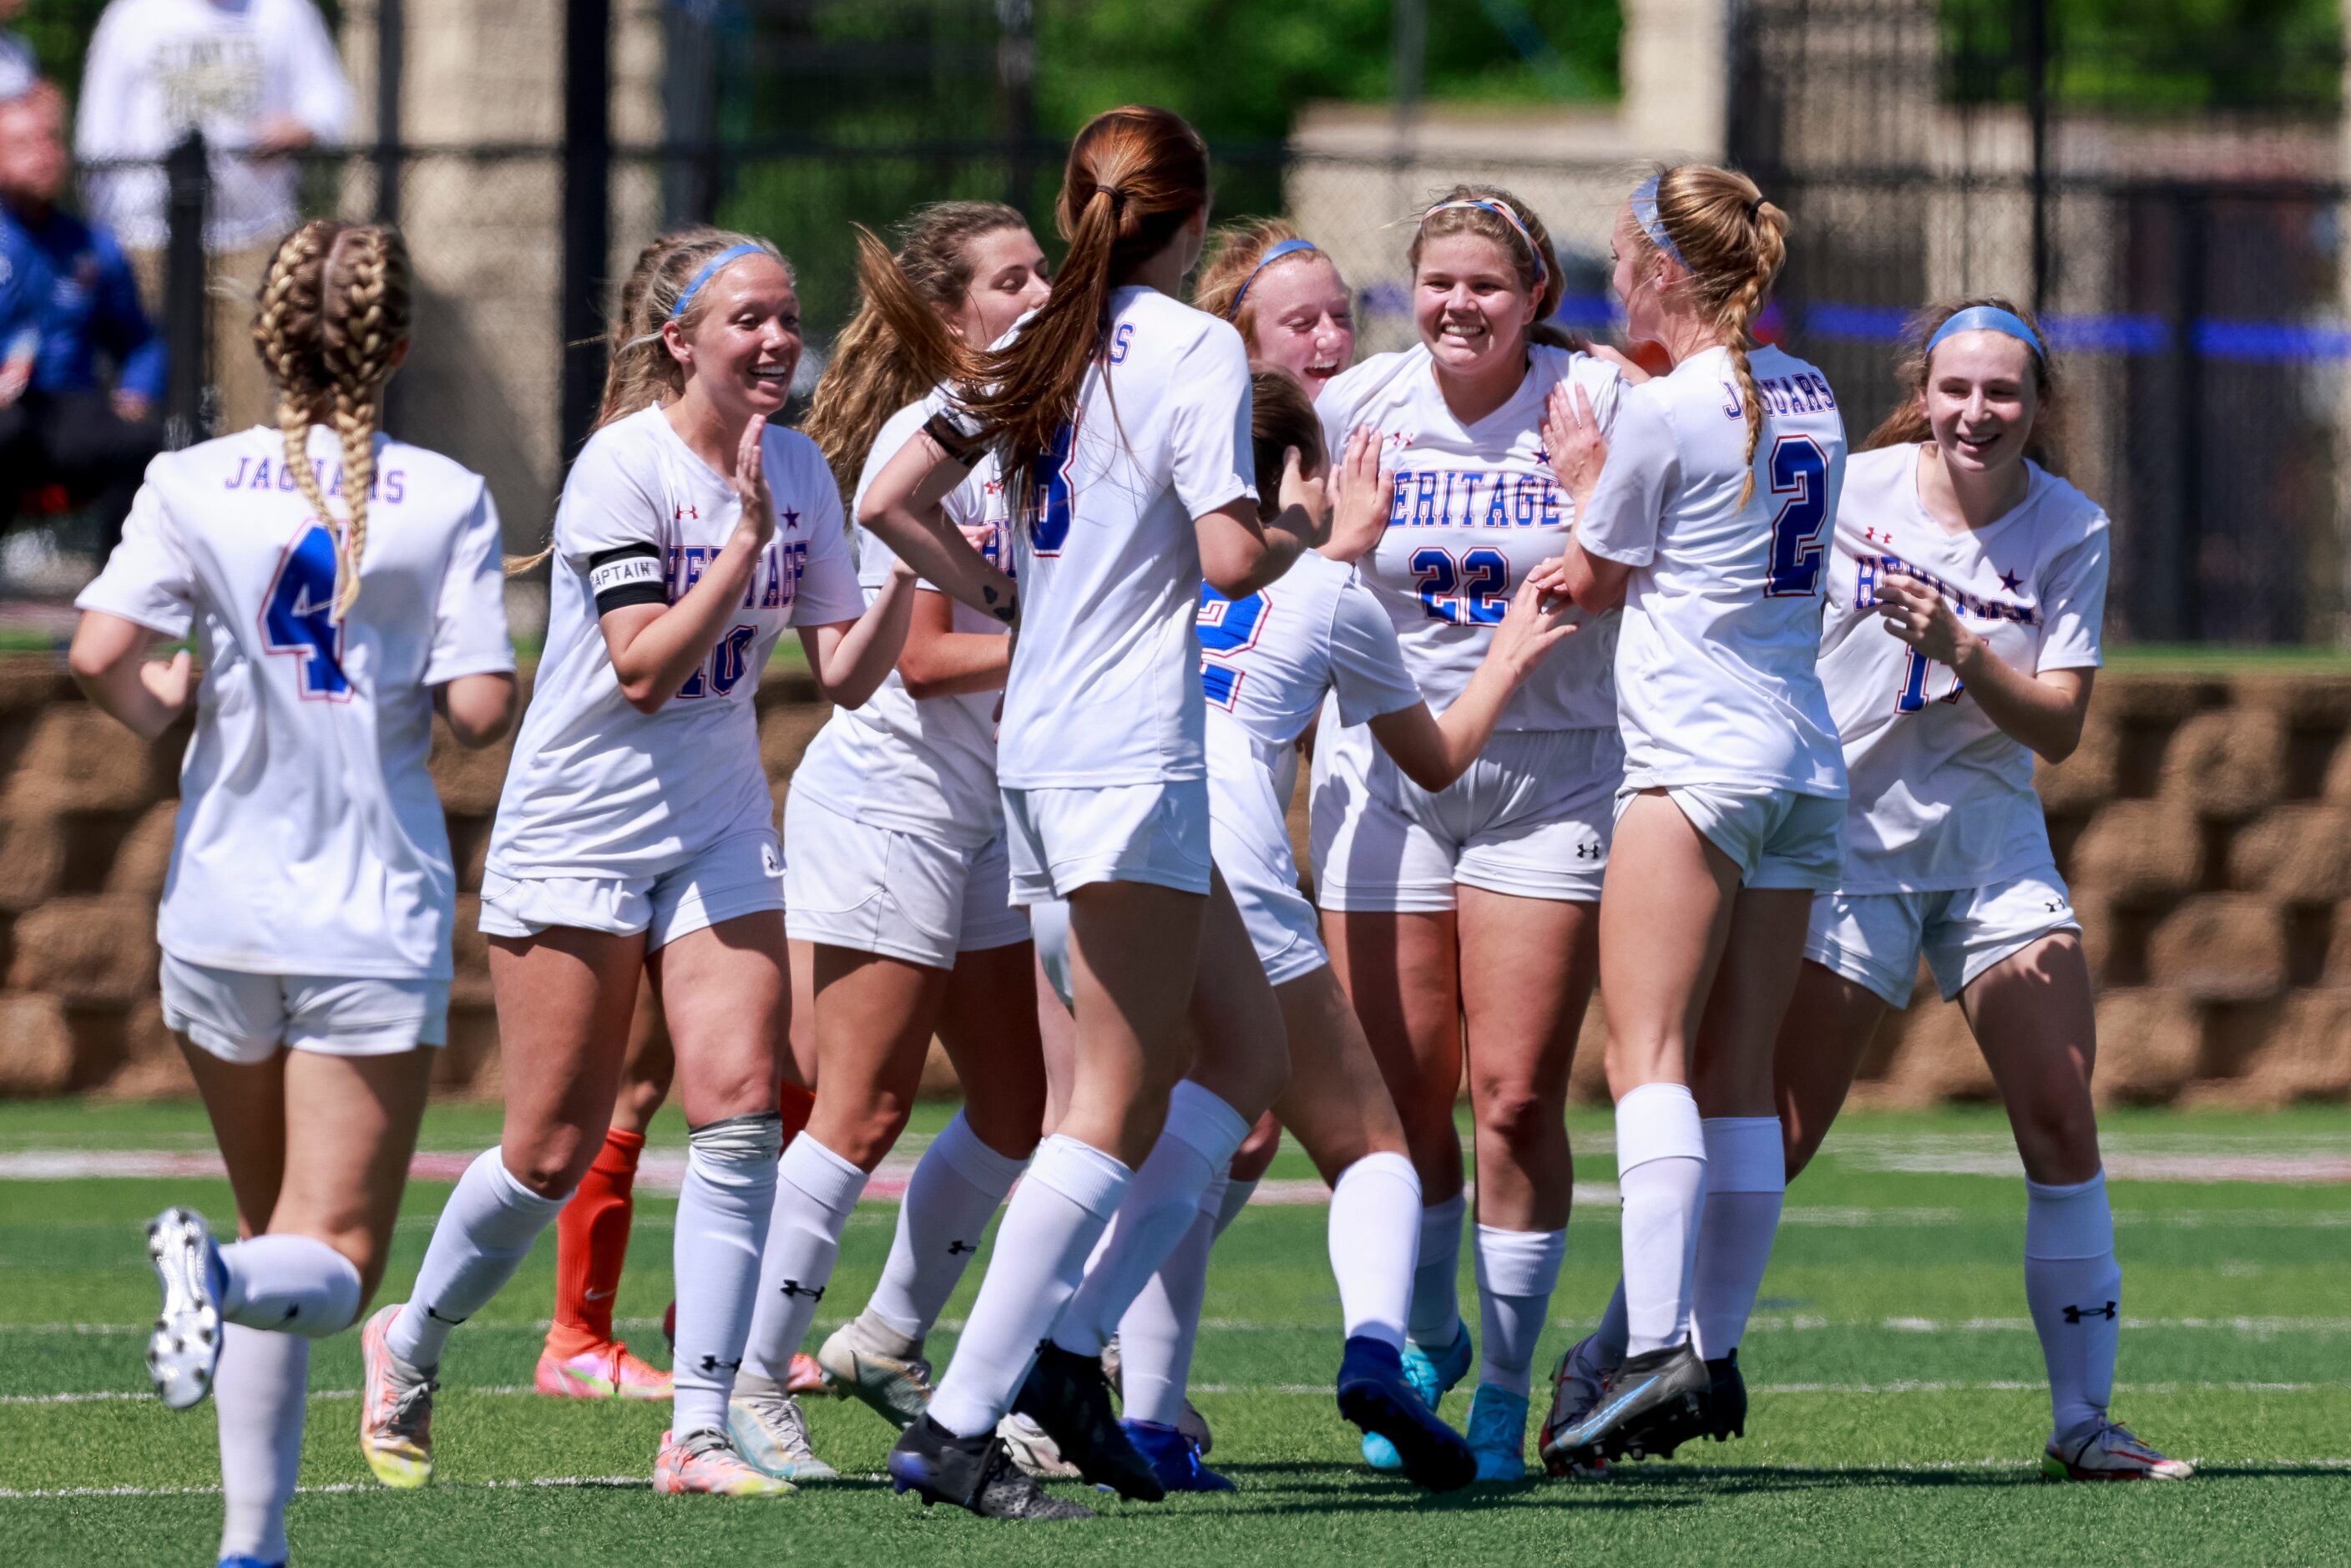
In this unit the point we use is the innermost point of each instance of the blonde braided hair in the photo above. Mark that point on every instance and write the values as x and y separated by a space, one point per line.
365 324
286 323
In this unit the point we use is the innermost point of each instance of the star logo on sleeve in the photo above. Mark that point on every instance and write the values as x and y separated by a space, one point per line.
2012 581
791 521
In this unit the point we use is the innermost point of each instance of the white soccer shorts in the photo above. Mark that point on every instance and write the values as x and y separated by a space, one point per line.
741 874
1875 939
246 1018
1777 838
1062 839
1251 841
901 895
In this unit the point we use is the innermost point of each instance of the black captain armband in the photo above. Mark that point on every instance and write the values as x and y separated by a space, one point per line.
629 575
964 446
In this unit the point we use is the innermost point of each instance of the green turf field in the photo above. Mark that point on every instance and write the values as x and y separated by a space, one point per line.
1898 1410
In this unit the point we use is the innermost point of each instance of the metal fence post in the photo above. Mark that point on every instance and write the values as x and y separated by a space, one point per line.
587 209
391 27
186 309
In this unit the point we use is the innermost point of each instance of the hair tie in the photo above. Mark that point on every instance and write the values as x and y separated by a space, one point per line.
709 269
1644 212
1503 211
1990 319
1755 208
1272 255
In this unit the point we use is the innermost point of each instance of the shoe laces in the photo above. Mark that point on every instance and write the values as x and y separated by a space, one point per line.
2115 1437
781 1413
1496 1420
706 1443
409 1412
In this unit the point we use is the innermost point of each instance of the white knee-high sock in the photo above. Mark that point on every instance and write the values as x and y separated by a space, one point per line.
1049 1226
1236 1198
1160 1326
1661 1172
1517 1271
1746 1183
957 1188
722 1222
816 1192
484 1232
1434 1320
2074 1285
1195 1147
1374 1230
289 1284
258 1393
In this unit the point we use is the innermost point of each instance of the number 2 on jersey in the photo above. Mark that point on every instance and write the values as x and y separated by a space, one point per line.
298 616
1801 473
1470 589
1228 627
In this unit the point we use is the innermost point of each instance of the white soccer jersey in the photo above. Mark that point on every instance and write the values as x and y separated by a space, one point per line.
597 788
1941 798
1715 676
923 767
1476 507
1105 684
310 840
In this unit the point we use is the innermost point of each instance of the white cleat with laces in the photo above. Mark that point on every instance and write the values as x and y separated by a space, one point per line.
2110 1452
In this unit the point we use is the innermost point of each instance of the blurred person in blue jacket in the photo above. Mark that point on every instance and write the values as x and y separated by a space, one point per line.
69 427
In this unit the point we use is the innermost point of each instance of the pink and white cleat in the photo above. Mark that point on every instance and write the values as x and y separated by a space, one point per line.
607 1372
395 1410
705 1461
2109 1452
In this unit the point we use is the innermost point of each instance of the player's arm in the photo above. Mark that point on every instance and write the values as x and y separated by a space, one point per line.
2043 712
850 659
1579 455
480 708
109 662
1433 751
940 661
902 506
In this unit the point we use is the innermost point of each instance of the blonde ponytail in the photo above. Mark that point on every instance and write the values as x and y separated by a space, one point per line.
287 321
366 324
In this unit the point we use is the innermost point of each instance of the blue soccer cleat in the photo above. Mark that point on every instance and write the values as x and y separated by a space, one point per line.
248 1562
1377 1393
1431 1378
1497 1433
1175 1455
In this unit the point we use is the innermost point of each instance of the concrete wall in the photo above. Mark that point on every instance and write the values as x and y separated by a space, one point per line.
2205 825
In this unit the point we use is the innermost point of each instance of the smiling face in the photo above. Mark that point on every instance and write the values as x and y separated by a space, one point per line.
1008 280
1472 310
1981 396
745 339
1300 319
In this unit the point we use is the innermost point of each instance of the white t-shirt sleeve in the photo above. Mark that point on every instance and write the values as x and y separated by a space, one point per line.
1208 429
1628 504
827 592
148 578
470 620
606 507
2073 604
316 93
1367 668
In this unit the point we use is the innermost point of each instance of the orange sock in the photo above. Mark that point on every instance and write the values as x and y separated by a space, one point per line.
591 1242
797 1106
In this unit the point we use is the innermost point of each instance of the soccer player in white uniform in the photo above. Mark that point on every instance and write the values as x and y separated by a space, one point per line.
636 839
306 922
1990 574
1709 513
898 893
1474 905
1122 420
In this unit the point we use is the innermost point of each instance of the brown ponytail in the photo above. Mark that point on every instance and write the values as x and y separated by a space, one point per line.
365 325
1906 425
1734 242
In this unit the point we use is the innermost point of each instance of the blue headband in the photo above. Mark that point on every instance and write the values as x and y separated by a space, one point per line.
1503 210
1286 248
1991 319
732 253
1644 212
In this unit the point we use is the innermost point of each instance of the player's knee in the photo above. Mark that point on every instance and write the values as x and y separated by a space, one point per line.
1008 1117
2057 1136
551 1165
1518 1113
868 1132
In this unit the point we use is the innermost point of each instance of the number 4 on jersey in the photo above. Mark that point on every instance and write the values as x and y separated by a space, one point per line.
298 616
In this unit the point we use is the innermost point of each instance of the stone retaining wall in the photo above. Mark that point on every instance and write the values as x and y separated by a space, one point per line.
2205 826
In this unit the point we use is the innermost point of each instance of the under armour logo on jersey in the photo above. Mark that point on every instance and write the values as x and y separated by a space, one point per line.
794 1288
2075 1314
681 514
711 1364
1876 536
1587 852
1397 439
957 1248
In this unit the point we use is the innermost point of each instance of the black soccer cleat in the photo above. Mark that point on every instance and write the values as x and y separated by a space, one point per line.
977 1473
1067 1395
1725 1400
1650 1405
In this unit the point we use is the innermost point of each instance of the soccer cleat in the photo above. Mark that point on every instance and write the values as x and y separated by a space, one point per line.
395 1410
1647 1408
856 1365
607 1372
242 1561
705 1461
805 1375
977 1473
1067 1395
1432 1377
770 1432
2110 1452
1189 1422
1377 1394
1574 1390
1037 1454
1175 1457
184 1350
1497 1433
1726 1399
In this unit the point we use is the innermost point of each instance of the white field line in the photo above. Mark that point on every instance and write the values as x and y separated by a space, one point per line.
629 1482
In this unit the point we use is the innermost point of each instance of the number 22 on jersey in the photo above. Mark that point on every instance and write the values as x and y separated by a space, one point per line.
298 616
1472 589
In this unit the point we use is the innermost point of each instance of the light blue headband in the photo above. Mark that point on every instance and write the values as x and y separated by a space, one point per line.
1286 248
1644 212
1991 319
709 268
1503 210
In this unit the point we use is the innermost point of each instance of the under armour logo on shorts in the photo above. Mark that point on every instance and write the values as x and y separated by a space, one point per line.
2075 1314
